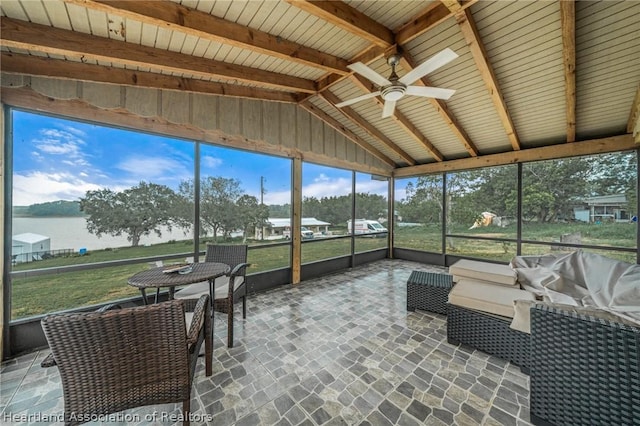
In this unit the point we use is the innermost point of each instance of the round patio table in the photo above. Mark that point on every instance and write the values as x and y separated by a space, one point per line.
159 277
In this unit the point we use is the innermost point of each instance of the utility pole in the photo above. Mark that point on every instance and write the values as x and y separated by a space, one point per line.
262 180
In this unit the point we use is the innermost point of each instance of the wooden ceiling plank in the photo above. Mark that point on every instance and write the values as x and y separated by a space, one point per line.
474 42
552 152
368 127
349 19
408 63
41 38
320 114
568 22
167 14
400 119
48 67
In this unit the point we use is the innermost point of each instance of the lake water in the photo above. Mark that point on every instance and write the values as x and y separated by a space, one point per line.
71 233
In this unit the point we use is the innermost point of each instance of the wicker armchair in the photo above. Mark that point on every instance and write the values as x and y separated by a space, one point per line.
225 290
120 359
584 370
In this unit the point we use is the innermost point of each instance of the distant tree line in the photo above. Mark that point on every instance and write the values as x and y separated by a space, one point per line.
551 189
58 208
337 209
224 207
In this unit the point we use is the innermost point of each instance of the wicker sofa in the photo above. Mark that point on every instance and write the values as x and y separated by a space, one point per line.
584 369
584 362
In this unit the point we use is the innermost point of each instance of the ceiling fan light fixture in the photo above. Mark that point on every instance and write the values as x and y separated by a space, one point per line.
393 93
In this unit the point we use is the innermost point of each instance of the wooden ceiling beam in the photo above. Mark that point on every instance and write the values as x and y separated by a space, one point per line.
45 39
354 117
552 152
474 42
174 16
348 133
400 119
57 68
568 22
349 19
408 63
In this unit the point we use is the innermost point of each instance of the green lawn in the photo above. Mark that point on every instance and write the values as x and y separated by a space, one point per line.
58 291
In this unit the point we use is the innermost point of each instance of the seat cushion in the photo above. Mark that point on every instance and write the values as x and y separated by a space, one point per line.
222 286
490 298
193 291
483 271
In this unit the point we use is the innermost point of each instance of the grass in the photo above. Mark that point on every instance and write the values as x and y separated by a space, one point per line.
37 295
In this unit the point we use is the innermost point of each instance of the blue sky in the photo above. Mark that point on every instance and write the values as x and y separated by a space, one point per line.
56 159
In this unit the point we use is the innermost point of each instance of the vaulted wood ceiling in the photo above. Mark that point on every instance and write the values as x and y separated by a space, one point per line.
529 73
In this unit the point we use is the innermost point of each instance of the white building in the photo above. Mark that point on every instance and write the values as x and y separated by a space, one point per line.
278 227
29 246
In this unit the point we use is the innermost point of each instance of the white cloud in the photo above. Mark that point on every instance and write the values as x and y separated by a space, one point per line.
211 162
154 169
65 143
277 198
39 187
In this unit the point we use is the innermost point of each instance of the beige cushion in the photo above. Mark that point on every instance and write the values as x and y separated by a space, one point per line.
222 286
193 291
490 298
483 271
522 317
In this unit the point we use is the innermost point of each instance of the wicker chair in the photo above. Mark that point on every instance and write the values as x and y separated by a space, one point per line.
120 359
225 290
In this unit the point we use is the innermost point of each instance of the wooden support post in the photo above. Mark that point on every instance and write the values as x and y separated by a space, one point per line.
296 236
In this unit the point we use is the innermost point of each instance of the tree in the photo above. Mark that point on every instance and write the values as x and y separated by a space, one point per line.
251 214
218 198
136 211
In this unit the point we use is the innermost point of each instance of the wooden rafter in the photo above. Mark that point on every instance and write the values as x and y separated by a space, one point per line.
41 38
595 146
408 63
474 42
401 120
568 22
348 18
346 132
434 14
167 14
368 127
47 67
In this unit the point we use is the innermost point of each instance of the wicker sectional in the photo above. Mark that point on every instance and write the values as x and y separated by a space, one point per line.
583 370
488 333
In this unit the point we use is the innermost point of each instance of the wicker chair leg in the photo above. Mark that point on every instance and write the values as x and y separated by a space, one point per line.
186 407
244 307
208 344
230 325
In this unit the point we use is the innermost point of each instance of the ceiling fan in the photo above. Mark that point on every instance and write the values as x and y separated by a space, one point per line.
394 88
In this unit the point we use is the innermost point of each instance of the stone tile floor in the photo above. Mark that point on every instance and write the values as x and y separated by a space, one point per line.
336 350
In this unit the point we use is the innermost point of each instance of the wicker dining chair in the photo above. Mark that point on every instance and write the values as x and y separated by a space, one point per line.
120 359
225 290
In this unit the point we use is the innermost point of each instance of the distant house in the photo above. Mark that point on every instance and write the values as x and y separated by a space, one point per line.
278 227
603 208
28 246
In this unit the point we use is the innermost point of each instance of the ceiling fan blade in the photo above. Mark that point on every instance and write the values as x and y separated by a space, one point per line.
389 107
370 74
358 99
430 92
431 64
